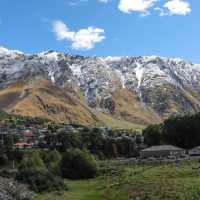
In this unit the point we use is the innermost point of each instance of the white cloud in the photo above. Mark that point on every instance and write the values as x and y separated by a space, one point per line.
104 1
83 39
141 6
75 2
71 3
177 7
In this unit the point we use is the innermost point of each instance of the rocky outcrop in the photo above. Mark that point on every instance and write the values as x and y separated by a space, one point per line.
11 190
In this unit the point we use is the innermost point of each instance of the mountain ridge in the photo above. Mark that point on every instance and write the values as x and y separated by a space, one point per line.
140 90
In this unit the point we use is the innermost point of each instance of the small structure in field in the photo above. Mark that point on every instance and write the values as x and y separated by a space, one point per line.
194 151
28 134
162 151
22 145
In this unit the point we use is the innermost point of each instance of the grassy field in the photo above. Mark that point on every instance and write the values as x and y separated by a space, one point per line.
118 123
132 182
77 190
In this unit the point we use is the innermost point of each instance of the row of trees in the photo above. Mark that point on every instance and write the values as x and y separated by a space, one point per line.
96 141
182 131
45 171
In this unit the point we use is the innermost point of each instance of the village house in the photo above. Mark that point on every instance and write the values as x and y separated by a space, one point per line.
162 151
21 145
194 151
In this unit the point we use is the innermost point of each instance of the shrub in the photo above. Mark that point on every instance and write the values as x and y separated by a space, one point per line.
77 164
52 161
52 156
3 160
153 134
33 171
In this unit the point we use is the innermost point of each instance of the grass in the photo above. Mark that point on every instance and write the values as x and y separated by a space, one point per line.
84 190
132 182
165 182
118 123
77 190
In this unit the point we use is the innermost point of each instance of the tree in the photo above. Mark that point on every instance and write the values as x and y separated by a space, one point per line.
153 134
52 160
33 171
183 131
77 164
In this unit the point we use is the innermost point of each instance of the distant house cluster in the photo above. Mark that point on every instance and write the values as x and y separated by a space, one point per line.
35 137
23 137
32 136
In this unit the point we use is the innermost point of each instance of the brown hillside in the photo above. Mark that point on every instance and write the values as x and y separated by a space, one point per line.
41 98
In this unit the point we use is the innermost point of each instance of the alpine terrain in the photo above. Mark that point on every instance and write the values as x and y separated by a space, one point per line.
126 92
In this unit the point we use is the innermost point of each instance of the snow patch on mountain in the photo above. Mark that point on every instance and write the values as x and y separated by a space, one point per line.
139 70
112 59
76 70
51 56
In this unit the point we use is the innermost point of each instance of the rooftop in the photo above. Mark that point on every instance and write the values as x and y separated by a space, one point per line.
196 148
163 148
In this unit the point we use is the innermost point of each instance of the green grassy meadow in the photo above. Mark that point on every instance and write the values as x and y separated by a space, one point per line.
136 182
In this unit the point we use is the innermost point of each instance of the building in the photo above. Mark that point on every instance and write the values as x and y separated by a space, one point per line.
28 134
194 151
162 151
22 145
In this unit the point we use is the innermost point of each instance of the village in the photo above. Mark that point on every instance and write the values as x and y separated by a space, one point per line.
31 146
46 135
33 137
23 137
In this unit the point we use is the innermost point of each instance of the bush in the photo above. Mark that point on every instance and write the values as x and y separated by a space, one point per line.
77 164
52 156
153 134
33 171
52 160
3 160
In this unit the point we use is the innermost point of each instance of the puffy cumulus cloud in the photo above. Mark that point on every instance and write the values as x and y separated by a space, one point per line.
83 39
142 6
169 7
176 7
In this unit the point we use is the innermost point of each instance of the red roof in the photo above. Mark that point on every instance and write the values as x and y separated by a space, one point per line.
28 133
23 144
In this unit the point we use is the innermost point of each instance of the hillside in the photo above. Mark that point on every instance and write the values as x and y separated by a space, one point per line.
131 181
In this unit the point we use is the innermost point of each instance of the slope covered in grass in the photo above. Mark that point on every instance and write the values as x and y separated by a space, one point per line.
130 182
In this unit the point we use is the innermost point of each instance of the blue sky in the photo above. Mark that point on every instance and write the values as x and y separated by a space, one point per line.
112 27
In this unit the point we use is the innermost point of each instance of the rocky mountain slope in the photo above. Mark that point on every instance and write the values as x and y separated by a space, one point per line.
116 91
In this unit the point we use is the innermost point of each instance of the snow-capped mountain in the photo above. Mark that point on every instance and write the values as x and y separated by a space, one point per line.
116 86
